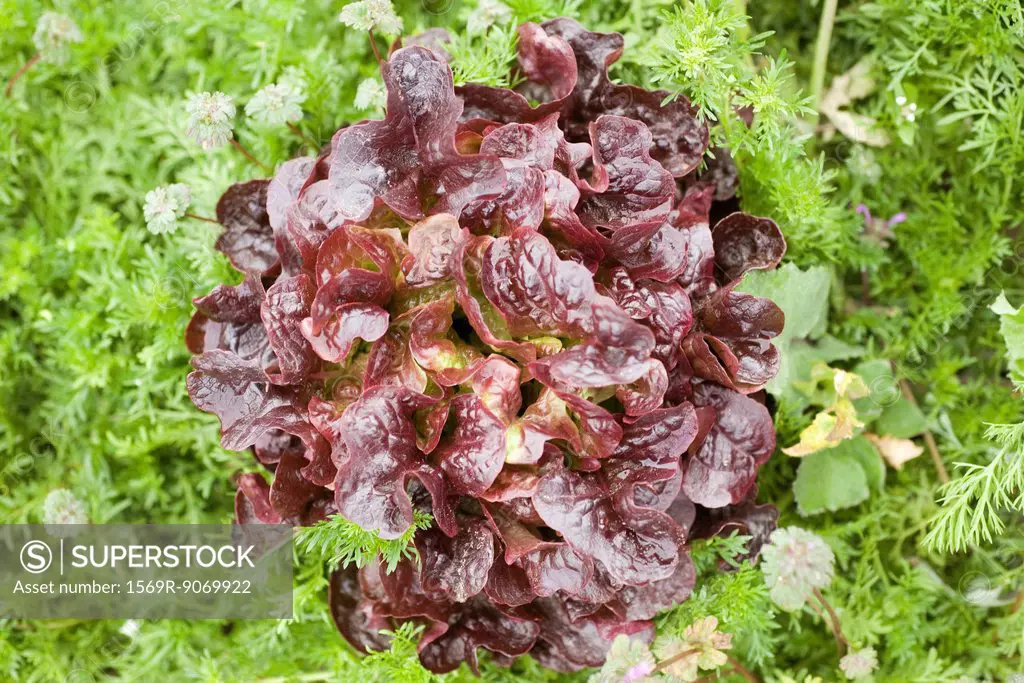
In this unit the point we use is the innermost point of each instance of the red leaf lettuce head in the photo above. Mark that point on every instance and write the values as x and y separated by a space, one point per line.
519 318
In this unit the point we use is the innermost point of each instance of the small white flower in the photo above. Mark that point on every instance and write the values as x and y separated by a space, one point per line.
295 78
901 100
164 206
370 95
909 112
210 118
488 13
795 562
369 15
129 629
859 664
54 32
62 507
276 104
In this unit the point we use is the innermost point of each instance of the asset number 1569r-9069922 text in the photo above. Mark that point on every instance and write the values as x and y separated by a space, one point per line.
186 587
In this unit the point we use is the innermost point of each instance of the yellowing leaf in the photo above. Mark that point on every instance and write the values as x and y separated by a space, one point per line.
850 385
895 451
828 429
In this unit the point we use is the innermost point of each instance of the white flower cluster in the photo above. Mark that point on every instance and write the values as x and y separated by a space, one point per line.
908 110
62 507
54 33
859 663
795 562
210 118
164 206
278 103
371 15
488 13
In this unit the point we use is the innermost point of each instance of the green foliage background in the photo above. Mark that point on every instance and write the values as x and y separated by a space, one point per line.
92 306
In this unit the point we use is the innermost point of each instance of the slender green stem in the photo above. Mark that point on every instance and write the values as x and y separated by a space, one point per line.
828 18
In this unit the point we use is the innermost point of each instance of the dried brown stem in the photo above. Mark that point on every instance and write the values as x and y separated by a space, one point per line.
742 670
1018 602
929 440
237 145
19 73
373 45
739 668
308 140
673 659
201 218
833 622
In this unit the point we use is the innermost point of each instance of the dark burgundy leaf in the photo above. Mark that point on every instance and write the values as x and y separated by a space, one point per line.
663 307
615 354
400 593
723 470
563 226
548 62
679 138
270 447
647 393
237 304
559 568
507 584
474 453
567 645
291 494
644 602
248 239
638 189
287 304
476 624
252 501
455 569
346 323
380 440
536 292
354 616
637 545
746 519
650 250
744 242
390 360
731 345
239 393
